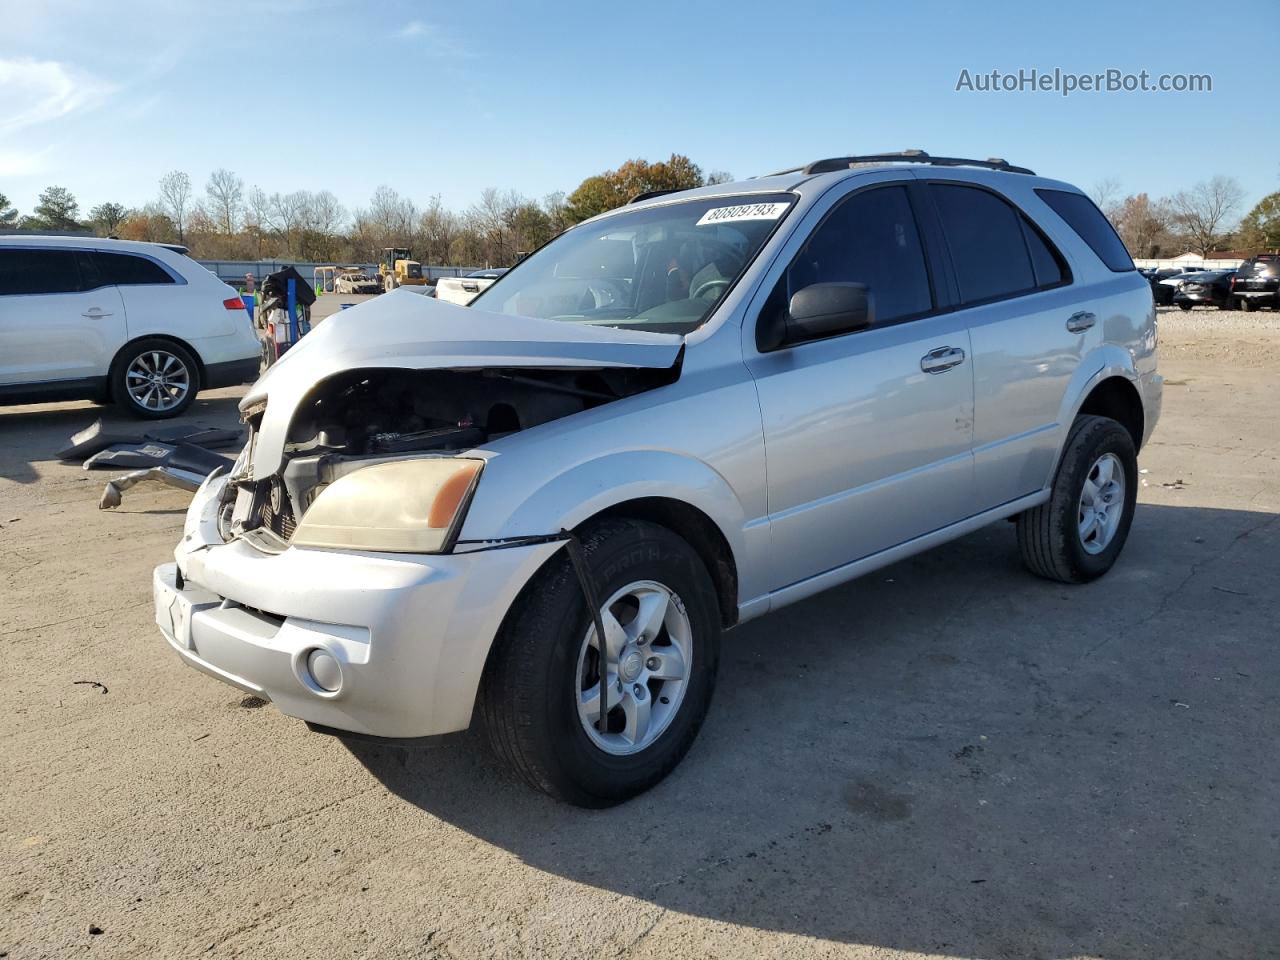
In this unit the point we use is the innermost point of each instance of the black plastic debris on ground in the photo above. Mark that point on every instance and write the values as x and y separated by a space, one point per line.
95 438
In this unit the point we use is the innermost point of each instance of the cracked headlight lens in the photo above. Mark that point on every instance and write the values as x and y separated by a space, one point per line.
404 506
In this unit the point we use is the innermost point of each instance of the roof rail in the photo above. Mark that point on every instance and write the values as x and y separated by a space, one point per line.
650 194
832 164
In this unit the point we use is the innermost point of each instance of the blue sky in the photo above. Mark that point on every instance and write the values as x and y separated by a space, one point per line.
448 99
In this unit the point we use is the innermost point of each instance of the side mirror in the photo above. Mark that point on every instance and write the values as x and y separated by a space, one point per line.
825 309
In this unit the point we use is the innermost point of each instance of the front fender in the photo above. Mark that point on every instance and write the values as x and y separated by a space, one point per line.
585 489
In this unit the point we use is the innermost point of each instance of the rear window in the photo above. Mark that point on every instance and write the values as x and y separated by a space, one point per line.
31 271
1264 266
1094 228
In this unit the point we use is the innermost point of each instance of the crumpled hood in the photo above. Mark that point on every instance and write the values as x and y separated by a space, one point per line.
414 332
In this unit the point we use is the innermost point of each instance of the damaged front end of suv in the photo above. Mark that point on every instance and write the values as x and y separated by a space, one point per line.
417 429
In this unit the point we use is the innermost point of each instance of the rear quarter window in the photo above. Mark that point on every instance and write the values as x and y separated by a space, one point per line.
1093 228
125 269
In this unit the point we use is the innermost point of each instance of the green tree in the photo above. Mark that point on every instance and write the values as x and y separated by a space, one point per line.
107 217
594 195
8 215
1260 228
56 210
613 188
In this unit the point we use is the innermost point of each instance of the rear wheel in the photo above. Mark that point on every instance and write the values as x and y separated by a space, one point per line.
1246 304
1079 532
155 379
1184 306
540 697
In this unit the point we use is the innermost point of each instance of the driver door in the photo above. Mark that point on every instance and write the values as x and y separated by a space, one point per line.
868 433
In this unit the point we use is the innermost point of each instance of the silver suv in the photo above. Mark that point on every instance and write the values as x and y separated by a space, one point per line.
673 418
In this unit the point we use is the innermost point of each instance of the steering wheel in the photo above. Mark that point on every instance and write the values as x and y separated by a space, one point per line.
718 282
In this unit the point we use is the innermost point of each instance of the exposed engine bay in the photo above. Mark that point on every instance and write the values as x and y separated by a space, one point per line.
360 417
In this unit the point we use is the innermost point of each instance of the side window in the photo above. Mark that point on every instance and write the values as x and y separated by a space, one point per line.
985 237
1094 229
28 271
870 238
126 270
1049 266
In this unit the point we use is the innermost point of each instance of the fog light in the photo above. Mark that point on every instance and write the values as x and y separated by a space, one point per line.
324 671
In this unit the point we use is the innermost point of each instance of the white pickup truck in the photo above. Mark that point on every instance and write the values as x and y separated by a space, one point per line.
462 290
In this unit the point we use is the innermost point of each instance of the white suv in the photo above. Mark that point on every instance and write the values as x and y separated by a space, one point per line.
676 417
139 324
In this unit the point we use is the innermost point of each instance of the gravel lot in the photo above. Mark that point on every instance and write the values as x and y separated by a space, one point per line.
947 758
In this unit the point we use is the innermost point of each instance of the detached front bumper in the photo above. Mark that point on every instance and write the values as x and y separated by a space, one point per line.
389 645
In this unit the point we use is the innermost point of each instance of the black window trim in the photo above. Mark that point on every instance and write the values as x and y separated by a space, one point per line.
936 295
1025 220
177 278
1041 191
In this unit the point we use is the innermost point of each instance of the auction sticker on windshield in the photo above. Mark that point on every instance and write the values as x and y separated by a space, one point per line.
744 211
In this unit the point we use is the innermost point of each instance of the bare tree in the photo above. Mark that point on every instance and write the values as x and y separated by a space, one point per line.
286 217
175 198
719 176
1203 212
1106 194
390 221
257 211
437 228
1144 225
225 192
324 214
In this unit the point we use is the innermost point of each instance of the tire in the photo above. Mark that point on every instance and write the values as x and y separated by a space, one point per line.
171 396
1049 536
1246 304
1184 306
533 684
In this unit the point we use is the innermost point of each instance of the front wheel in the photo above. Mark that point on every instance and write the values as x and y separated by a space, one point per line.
540 697
1079 532
1184 306
1246 304
155 379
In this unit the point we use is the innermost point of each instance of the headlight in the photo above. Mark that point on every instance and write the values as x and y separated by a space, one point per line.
405 506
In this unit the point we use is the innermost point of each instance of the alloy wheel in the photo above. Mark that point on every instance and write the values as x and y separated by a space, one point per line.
157 380
648 662
1102 503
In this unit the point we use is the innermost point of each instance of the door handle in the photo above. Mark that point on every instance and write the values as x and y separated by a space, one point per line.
95 313
1080 322
941 359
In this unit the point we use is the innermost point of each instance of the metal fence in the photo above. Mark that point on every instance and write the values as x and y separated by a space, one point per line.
1149 264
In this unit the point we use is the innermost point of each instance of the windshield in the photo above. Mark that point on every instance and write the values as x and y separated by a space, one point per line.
659 268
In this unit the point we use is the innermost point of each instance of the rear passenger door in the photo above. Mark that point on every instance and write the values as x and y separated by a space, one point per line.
1013 289
51 327
866 433
148 289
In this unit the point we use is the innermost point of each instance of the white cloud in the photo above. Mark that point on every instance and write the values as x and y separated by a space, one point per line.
416 28
435 39
38 91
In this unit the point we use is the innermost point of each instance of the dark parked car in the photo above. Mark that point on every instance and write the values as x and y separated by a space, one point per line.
1211 288
1163 291
1257 282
